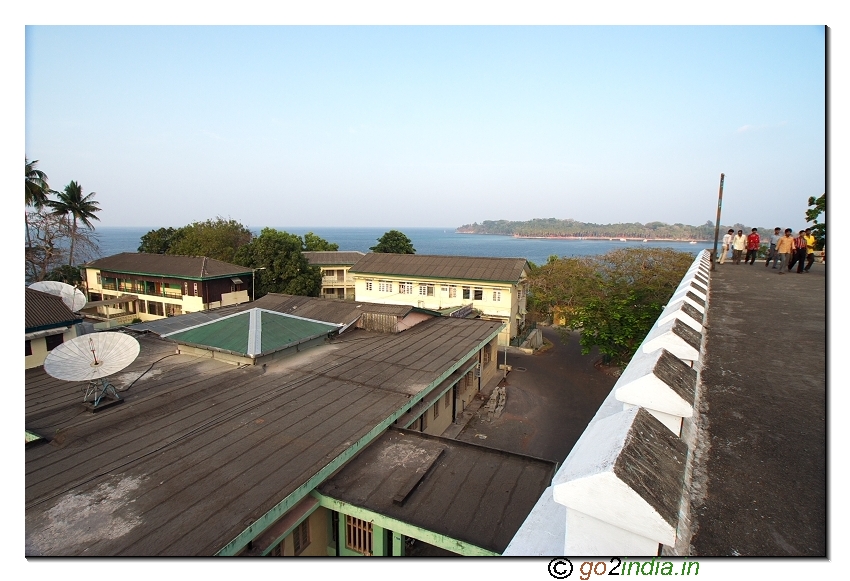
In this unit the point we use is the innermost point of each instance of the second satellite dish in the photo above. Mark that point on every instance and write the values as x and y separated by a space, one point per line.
73 297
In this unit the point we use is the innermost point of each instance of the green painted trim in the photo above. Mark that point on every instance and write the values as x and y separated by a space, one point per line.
281 508
398 544
406 529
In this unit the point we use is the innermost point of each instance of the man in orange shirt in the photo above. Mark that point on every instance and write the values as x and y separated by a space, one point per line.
784 248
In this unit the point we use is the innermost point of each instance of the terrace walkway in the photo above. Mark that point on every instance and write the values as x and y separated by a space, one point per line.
759 486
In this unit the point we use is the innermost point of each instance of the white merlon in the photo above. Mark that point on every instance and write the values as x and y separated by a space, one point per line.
676 337
683 291
674 311
611 479
662 384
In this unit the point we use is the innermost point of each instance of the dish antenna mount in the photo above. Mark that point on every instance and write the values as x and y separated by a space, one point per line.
93 358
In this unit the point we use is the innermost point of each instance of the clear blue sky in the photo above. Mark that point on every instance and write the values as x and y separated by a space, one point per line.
430 126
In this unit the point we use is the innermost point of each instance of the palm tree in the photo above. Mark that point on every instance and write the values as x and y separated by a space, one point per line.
36 189
76 208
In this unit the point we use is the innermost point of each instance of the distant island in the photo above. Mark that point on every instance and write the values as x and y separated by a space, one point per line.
555 228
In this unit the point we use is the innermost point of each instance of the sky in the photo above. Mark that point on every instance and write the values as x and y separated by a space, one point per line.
420 126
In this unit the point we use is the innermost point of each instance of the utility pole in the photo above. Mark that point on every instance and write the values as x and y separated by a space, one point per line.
717 223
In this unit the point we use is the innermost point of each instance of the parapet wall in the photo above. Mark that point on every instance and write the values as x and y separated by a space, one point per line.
623 489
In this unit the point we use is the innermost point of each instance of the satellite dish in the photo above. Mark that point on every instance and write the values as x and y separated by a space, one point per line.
92 358
73 297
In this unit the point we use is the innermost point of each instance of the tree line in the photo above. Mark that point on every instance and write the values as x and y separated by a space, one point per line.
275 256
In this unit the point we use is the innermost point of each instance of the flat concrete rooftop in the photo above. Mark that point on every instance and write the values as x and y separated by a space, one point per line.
760 469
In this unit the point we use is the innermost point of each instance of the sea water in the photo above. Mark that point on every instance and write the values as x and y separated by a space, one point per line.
113 240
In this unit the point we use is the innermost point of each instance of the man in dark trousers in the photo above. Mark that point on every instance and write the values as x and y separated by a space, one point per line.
753 243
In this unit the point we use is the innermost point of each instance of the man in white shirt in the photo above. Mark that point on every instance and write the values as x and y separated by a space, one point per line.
727 242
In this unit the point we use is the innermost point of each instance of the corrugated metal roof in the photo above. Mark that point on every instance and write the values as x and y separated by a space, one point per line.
45 311
194 267
253 332
332 258
442 267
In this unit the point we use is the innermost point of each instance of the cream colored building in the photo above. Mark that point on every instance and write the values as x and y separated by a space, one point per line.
495 288
337 282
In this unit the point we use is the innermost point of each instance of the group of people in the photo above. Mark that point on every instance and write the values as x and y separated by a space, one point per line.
785 250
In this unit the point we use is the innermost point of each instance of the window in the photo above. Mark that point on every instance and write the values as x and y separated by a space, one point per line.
196 288
452 291
479 294
436 409
358 535
466 292
385 286
301 536
186 288
405 288
53 341
425 421
487 353
447 399
426 290
497 295
99 280
28 348
369 285
276 551
467 380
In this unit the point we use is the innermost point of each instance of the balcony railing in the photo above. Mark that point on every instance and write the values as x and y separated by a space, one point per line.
333 280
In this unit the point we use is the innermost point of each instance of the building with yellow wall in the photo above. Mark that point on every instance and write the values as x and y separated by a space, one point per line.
495 288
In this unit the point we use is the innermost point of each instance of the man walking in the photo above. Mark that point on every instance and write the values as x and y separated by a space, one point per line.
727 242
784 248
771 253
739 244
799 257
810 249
753 243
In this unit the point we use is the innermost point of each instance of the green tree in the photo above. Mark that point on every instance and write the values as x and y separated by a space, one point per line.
67 274
283 267
317 243
76 208
394 242
159 241
219 239
817 206
612 299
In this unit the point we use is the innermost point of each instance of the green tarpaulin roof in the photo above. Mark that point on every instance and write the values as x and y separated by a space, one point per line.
253 332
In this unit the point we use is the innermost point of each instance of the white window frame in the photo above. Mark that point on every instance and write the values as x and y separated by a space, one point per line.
405 288
385 286
497 295
369 284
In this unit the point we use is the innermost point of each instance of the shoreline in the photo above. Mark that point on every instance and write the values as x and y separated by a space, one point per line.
605 238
